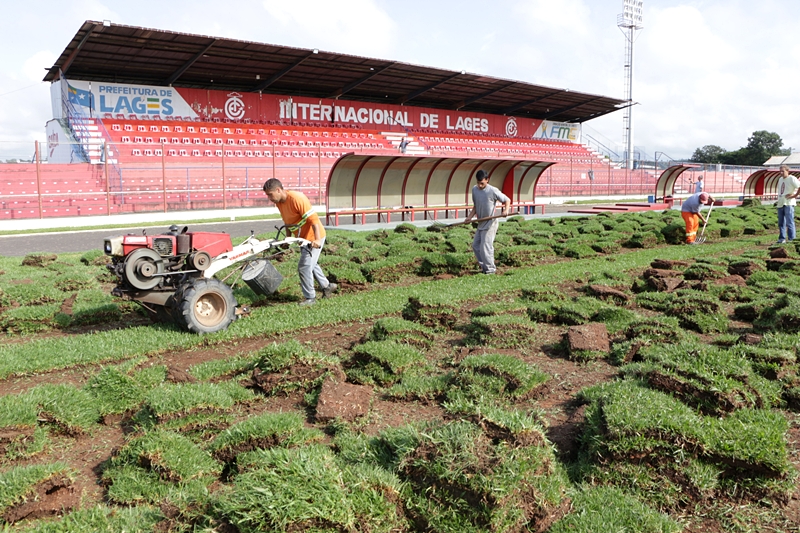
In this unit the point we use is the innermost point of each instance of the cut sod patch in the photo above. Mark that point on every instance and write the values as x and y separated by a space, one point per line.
451 263
263 431
383 362
171 401
716 381
460 481
430 311
401 330
307 489
498 375
629 422
36 491
154 465
592 513
68 410
290 366
503 331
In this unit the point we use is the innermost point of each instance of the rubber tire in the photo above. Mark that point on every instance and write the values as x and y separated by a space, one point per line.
204 306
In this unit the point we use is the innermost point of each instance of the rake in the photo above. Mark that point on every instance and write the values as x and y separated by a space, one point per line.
442 226
702 238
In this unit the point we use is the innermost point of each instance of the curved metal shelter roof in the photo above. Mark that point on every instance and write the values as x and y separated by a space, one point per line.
368 181
764 183
665 186
128 54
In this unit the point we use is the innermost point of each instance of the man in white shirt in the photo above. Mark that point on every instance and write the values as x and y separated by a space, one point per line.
698 186
788 189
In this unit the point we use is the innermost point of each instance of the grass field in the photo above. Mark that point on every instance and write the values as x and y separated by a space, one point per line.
608 379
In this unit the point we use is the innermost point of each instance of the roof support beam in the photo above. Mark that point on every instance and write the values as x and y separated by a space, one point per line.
520 105
606 112
178 73
411 96
569 108
353 85
472 100
278 75
71 58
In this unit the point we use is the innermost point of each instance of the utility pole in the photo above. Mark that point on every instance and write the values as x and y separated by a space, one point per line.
629 21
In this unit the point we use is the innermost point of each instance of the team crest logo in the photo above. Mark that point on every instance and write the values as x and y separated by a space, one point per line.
234 107
511 127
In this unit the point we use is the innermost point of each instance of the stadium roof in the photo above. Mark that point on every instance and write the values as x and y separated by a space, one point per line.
126 54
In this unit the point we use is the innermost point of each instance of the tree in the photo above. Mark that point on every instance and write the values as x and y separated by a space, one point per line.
709 153
761 146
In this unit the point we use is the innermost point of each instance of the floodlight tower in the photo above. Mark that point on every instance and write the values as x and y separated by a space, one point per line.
629 21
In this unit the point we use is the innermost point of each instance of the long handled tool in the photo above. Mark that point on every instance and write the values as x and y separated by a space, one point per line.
702 238
442 226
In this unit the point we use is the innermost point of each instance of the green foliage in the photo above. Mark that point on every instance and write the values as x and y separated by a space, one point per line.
627 420
716 381
262 431
592 512
424 388
229 366
172 400
500 308
153 465
115 391
405 227
503 331
307 487
384 362
571 313
70 410
281 360
346 273
481 486
437 263
579 251
643 239
390 269
525 255
141 519
401 330
498 375
430 310
605 247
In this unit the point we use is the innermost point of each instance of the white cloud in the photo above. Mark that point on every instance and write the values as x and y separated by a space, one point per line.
34 67
706 71
345 26
680 37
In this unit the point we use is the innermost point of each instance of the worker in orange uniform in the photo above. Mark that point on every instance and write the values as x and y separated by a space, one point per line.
690 211
295 209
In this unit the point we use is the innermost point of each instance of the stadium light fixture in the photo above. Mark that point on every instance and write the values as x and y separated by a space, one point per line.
315 50
106 23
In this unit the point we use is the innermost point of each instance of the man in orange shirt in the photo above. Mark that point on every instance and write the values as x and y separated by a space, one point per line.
295 209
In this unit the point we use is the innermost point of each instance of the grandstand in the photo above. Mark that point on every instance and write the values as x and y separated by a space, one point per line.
151 120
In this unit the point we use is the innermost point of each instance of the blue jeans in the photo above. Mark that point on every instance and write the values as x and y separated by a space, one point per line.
786 230
309 270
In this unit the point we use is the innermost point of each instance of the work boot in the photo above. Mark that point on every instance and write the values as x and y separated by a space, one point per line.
328 291
307 302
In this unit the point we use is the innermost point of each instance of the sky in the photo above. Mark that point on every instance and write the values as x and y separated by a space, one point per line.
706 72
